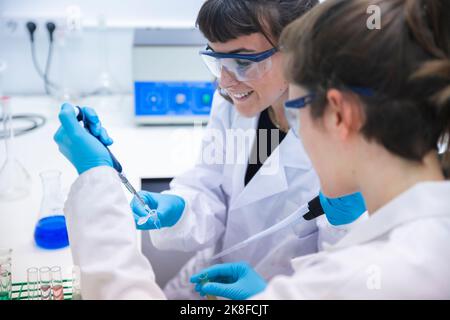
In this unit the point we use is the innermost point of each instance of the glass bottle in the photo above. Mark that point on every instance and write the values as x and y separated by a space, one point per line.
51 231
14 179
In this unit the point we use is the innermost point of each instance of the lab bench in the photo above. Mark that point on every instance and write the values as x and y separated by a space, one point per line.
144 152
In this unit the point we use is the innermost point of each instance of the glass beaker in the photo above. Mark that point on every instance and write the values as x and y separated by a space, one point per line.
51 231
14 179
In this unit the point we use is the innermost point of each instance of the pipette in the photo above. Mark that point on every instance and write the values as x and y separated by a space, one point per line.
151 213
305 213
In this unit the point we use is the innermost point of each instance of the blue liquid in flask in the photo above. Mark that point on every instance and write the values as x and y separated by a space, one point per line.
51 232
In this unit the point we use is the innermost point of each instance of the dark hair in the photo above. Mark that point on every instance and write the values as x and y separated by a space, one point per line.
406 63
225 20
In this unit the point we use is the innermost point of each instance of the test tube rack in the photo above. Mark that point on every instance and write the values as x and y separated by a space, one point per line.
20 290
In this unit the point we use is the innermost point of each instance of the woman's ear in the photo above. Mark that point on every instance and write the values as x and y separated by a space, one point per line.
343 114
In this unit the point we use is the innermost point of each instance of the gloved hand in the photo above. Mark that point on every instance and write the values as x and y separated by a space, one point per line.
343 210
79 146
169 209
237 281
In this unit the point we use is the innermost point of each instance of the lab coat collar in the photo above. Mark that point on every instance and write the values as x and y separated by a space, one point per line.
424 200
271 177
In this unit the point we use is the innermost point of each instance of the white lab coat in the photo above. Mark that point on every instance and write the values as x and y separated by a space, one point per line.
221 211
401 252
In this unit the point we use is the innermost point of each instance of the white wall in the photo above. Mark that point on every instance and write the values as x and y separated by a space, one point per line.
83 57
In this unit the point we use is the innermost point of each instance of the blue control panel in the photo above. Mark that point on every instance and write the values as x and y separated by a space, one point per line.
173 99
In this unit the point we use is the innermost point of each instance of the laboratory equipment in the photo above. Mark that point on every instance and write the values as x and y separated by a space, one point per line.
76 283
203 280
50 231
118 167
307 212
14 178
171 83
45 283
5 280
5 273
151 213
33 283
57 283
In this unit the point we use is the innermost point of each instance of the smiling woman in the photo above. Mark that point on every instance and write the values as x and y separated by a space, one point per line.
250 28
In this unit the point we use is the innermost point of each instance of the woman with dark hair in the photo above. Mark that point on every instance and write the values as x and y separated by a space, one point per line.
374 107
226 204
216 205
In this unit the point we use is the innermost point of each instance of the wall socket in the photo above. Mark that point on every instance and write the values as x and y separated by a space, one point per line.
16 26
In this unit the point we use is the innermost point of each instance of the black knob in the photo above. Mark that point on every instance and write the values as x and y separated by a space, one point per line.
51 28
31 26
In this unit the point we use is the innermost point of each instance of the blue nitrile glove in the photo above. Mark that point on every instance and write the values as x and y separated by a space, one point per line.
237 281
169 209
79 146
343 210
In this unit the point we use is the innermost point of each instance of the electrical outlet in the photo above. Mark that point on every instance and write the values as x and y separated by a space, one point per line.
16 26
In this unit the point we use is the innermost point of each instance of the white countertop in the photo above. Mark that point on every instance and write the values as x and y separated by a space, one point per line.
144 152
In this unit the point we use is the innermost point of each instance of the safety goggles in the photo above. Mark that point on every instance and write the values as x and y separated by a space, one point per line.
244 67
302 102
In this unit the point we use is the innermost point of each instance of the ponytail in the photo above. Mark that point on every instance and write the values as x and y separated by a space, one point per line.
406 64
429 22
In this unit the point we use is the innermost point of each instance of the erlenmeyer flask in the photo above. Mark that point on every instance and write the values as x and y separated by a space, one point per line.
51 231
14 179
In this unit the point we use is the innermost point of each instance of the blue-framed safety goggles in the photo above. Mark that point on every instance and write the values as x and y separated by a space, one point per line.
302 102
244 67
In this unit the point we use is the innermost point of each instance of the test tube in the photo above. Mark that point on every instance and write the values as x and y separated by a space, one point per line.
45 283
57 283
76 283
203 280
33 283
5 281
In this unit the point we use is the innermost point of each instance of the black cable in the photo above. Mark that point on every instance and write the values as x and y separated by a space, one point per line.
31 26
36 121
51 29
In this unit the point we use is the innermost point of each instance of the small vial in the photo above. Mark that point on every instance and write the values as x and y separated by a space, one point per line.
151 214
203 280
76 283
45 283
5 281
57 284
33 283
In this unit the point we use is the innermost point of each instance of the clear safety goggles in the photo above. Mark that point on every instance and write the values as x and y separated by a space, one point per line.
304 101
244 67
